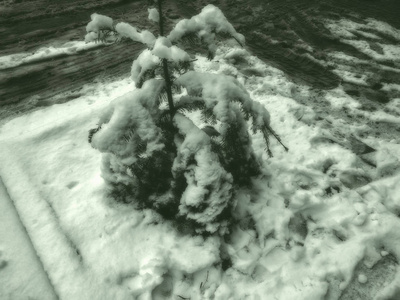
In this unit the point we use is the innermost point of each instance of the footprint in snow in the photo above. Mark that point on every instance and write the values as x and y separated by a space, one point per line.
3 261
72 184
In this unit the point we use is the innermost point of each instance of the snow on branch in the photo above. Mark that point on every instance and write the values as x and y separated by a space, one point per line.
219 93
101 28
128 31
218 90
209 187
209 22
144 66
99 22
129 121
164 49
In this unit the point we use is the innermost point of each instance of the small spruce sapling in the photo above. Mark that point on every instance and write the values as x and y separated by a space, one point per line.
153 153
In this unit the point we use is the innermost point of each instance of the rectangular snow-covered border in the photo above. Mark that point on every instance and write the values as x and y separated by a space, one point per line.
41 225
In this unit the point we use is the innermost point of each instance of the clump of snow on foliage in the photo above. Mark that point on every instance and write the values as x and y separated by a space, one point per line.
102 23
217 89
211 20
126 30
128 121
145 62
98 23
222 94
95 28
163 48
154 15
209 186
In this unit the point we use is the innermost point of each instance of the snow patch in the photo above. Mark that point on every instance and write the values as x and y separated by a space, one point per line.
44 53
154 15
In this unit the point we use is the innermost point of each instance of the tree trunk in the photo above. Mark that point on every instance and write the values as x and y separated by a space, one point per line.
165 66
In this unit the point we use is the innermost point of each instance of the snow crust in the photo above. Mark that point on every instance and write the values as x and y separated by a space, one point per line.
346 29
390 52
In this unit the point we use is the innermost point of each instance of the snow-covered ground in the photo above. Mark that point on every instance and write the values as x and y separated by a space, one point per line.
326 219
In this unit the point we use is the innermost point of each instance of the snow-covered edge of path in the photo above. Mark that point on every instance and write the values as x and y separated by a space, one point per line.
41 225
52 245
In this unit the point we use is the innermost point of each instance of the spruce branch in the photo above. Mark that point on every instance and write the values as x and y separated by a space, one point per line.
268 130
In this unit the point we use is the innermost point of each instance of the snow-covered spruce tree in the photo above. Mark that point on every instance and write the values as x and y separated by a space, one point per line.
153 153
